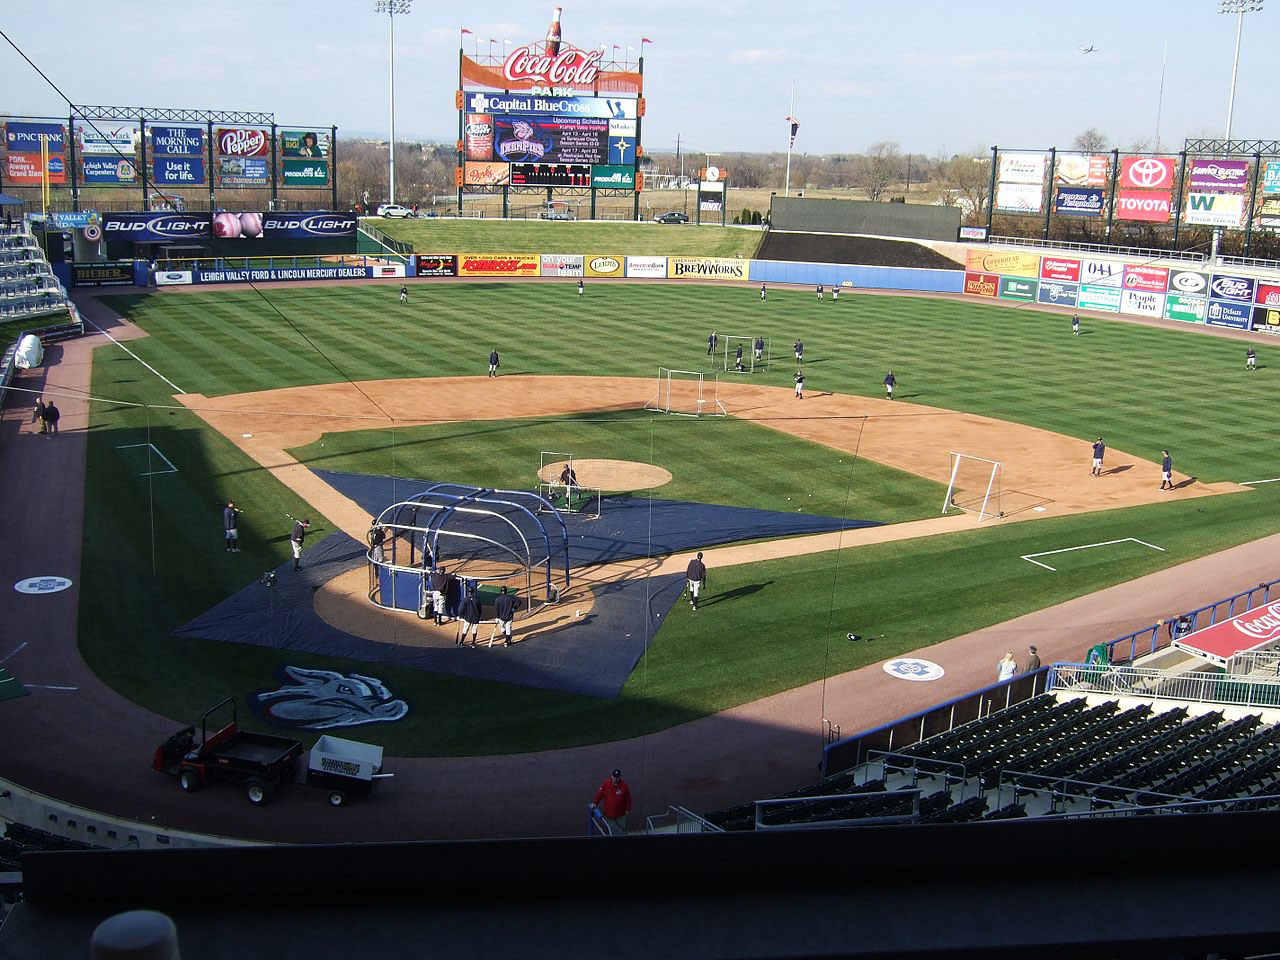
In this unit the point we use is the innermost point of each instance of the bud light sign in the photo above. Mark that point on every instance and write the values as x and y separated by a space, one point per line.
309 226
180 141
179 170
1239 289
154 227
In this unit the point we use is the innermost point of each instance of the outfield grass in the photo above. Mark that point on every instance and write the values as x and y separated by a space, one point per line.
449 235
705 457
782 622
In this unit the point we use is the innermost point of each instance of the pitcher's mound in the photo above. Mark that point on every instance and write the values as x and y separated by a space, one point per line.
610 476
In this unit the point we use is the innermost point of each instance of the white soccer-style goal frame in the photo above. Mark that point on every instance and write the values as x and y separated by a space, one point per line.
990 499
748 354
708 401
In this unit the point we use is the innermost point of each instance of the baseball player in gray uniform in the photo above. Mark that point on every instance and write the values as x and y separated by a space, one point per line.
696 573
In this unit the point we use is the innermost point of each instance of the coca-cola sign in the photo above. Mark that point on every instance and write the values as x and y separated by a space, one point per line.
243 143
567 68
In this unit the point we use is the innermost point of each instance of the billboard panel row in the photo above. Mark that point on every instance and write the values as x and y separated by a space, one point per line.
170 227
597 265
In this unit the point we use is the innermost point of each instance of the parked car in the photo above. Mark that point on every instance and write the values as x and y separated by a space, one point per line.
675 216
394 210
556 214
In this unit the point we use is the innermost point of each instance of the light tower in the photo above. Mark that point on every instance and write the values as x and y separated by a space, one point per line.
1239 8
391 8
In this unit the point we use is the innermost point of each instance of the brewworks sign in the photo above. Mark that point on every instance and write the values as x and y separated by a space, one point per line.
707 268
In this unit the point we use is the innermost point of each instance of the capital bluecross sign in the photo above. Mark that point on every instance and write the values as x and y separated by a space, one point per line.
155 227
178 141
1078 202
304 173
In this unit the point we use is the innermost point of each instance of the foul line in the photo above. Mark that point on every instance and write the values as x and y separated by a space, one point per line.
132 354
1105 543
150 473
16 650
45 686
1254 483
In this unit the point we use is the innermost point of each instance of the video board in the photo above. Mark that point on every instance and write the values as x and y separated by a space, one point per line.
551 174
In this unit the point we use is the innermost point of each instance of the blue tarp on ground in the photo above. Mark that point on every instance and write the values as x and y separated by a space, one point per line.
629 526
592 656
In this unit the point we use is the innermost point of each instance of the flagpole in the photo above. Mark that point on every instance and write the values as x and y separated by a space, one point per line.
786 190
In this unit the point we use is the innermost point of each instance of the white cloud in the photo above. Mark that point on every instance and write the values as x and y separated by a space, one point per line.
758 55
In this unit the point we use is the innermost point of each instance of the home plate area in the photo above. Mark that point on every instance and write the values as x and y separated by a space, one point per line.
592 654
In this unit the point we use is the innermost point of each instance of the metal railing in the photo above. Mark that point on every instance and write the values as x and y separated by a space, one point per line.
912 793
678 819
1145 253
1248 662
1146 682
377 236
1255 262
1181 625
1164 809
1065 790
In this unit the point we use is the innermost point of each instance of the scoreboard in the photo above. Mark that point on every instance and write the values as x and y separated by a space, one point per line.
551 174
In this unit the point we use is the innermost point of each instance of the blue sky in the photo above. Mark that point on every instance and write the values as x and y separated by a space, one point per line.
935 76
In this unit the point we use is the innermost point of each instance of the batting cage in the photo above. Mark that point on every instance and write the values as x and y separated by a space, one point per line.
471 537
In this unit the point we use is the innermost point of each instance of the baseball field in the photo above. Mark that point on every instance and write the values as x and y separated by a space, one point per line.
250 394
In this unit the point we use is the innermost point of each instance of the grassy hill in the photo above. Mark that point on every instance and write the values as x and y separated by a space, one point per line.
442 235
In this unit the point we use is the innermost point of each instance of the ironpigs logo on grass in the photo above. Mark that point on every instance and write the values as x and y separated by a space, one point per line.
323 699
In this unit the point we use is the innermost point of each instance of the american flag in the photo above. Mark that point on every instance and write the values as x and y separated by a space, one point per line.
795 125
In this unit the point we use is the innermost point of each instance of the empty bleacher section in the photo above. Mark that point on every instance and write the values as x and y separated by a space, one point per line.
868 251
1057 754
28 287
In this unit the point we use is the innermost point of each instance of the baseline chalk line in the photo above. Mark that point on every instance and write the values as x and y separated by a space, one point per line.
1085 546
132 354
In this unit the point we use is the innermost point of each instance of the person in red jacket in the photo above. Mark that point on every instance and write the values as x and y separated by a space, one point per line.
613 802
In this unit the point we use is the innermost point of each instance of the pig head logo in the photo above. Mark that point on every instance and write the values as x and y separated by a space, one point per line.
322 699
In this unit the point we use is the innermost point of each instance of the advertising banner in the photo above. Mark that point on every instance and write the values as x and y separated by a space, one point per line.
178 141
622 128
1058 294
603 265
1147 173
1022 168
1102 273
304 173
1267 320
1079 202
315 225
1215 209
108 139
498 264
477 136
550 139
1083 170
706 268
24 168
1058 268
109 170
266 274
599 107
1270 207
304 143
1154 279
155 227
1190 282
1271 179
973 233
1224 313
179 170
486 173
1152 206
72 221
1218 176
26 137
108 273
1006 264
1142 303
1018 197
173 278
436 265
981 284
1225 287
1016 288
654 268
1268 295
613 177
1178 306
1099 298
622 150
243 142
244 171
387 270
561 265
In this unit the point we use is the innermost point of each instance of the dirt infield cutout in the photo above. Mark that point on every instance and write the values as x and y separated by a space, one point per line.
611 476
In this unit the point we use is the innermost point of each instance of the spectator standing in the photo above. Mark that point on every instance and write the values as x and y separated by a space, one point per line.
613 802
230 519
38 414
1033 660
1007 668
51 417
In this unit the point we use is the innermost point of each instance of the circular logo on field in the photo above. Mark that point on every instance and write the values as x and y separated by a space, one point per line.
42 585
909 668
